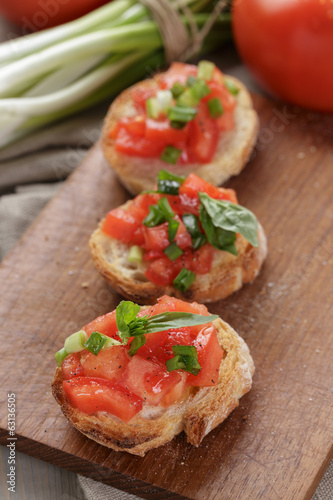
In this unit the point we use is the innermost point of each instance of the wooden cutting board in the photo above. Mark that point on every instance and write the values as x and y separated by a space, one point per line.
278 442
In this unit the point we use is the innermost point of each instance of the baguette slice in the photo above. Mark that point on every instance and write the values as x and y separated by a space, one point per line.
200 411
227 275
233 151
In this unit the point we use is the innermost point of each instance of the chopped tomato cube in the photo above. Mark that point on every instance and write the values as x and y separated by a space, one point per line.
162 271
137 146
109 363
161 132
176 393
203 136
178 72
210 356
194 184
71 366
143 202
124 226
199 261
103 324
156 238
183 237
153 254
167 303
148 380
134 125
140 96
91 395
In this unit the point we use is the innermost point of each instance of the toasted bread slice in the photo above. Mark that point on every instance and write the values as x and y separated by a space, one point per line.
200 411
227 275
233 151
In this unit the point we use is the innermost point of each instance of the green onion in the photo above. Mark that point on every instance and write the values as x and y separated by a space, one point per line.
172 229
155 217
75 342
168 183
186 358
184 280
135 254
206 70
233 89
177 89
191 223
192 96
215 107
164 98
153 107
136 343
165 208
171 155
183 115
173 251
60 356
191 80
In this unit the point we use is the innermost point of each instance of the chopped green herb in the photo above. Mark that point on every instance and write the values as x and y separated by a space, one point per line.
184 280
186 358
164 98
136 343
155 217
177 125
177 89
171 155
233 89
60 356
173 251
191 80
206 70
191 223
165 208
135 254
95 342
153 107
172 229
215 107
180 114
75 342
168 183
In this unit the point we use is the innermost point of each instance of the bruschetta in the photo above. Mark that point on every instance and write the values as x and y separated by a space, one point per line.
187 238
135 378
188 119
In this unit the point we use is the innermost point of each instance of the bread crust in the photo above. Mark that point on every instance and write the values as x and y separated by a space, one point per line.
200 411
227 275
233 151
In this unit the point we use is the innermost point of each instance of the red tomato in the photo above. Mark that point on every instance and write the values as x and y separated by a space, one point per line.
148 380
90 395
194 184
167 303
103 324
109 363
158 345
140 96
134 125
156 238
228 101
203 136
288 45
178 72
176 393
35 15
137 146
199 261
160 131
153 254
124 226
183 238
142 202
162 272
71 366
210 356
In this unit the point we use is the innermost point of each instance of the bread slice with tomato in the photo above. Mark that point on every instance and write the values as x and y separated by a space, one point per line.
208 257
147 128
136 401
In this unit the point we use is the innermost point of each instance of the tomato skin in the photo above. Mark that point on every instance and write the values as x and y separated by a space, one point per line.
124 225
33 15
203 136
109 363
134 125
178 72
161 272
289 48
71 366
210 356
148 380
161 132
126 144
90 394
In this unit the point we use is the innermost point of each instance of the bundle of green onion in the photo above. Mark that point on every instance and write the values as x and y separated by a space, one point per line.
49 75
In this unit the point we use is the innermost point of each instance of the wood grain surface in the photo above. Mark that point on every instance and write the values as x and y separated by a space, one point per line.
278 442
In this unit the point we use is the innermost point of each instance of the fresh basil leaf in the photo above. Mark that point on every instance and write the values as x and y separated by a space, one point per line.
191 223
186 358
168 183
230 217
126 312
136 343
184 280
137 326
219 238
155 217
168 320
172 229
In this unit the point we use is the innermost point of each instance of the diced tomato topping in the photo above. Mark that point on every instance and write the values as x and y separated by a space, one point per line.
167 303
178 72
210 355
103 324
124 226
161 132
91 395
162 272
176 393
137 146
183 238
194 184
203 136
142 202
199 261
148 380
134 125
156 238
109 363
71 366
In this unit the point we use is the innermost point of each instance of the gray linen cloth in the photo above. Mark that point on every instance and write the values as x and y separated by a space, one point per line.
31 172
